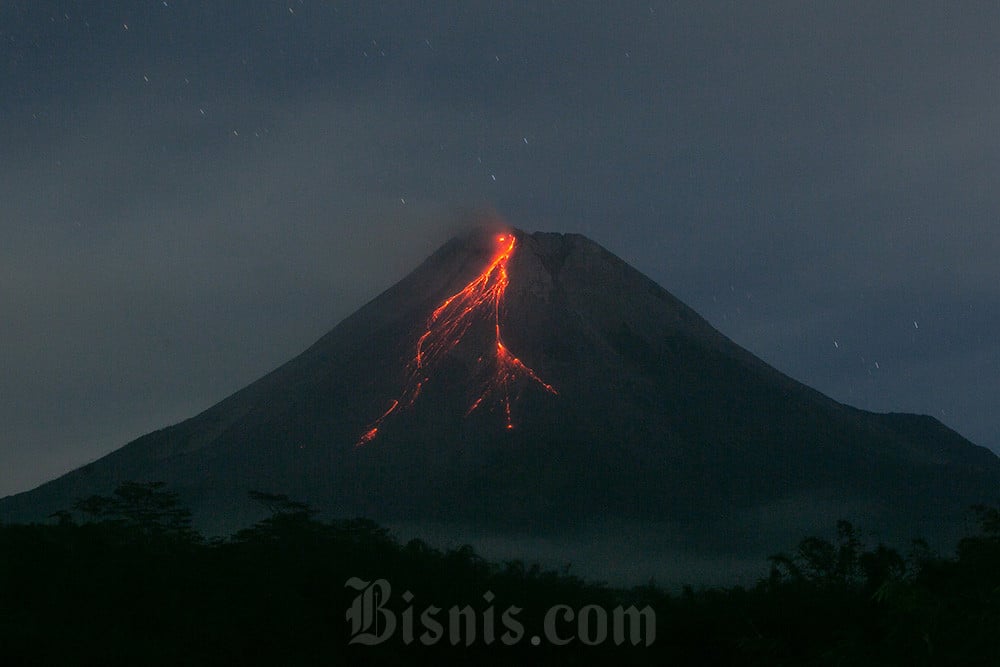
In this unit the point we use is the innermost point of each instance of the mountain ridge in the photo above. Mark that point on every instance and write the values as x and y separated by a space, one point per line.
657 416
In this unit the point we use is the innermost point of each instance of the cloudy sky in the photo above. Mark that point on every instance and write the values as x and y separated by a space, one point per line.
192 192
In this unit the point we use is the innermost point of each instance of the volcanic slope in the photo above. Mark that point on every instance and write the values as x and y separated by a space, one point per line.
534 385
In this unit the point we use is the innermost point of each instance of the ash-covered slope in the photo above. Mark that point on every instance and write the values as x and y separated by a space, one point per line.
624 406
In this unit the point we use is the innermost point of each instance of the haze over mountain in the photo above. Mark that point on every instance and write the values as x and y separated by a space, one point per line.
535 395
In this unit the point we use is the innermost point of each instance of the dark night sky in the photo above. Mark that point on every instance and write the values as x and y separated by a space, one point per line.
192 192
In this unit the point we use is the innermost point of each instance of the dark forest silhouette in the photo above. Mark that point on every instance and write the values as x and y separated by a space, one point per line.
124 579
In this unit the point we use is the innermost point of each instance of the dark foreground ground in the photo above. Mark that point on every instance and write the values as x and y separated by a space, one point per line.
123 580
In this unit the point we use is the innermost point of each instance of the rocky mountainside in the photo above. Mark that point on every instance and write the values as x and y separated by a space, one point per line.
535 391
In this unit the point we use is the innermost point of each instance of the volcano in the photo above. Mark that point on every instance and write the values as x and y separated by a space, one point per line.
536 396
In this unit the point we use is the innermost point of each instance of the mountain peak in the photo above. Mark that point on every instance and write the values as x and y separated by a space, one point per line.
475 312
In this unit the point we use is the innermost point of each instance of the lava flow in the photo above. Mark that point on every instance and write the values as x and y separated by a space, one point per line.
446 326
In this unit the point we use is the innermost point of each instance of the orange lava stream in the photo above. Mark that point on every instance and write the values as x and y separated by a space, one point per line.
446 326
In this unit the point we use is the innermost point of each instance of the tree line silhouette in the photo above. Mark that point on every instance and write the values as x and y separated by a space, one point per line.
125 579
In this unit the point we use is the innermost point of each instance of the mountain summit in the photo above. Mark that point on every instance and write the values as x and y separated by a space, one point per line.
452 325
537 387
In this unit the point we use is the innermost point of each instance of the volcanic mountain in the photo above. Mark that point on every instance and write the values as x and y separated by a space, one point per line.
537 388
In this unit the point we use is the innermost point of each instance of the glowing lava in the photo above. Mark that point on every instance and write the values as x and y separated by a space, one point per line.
447 325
